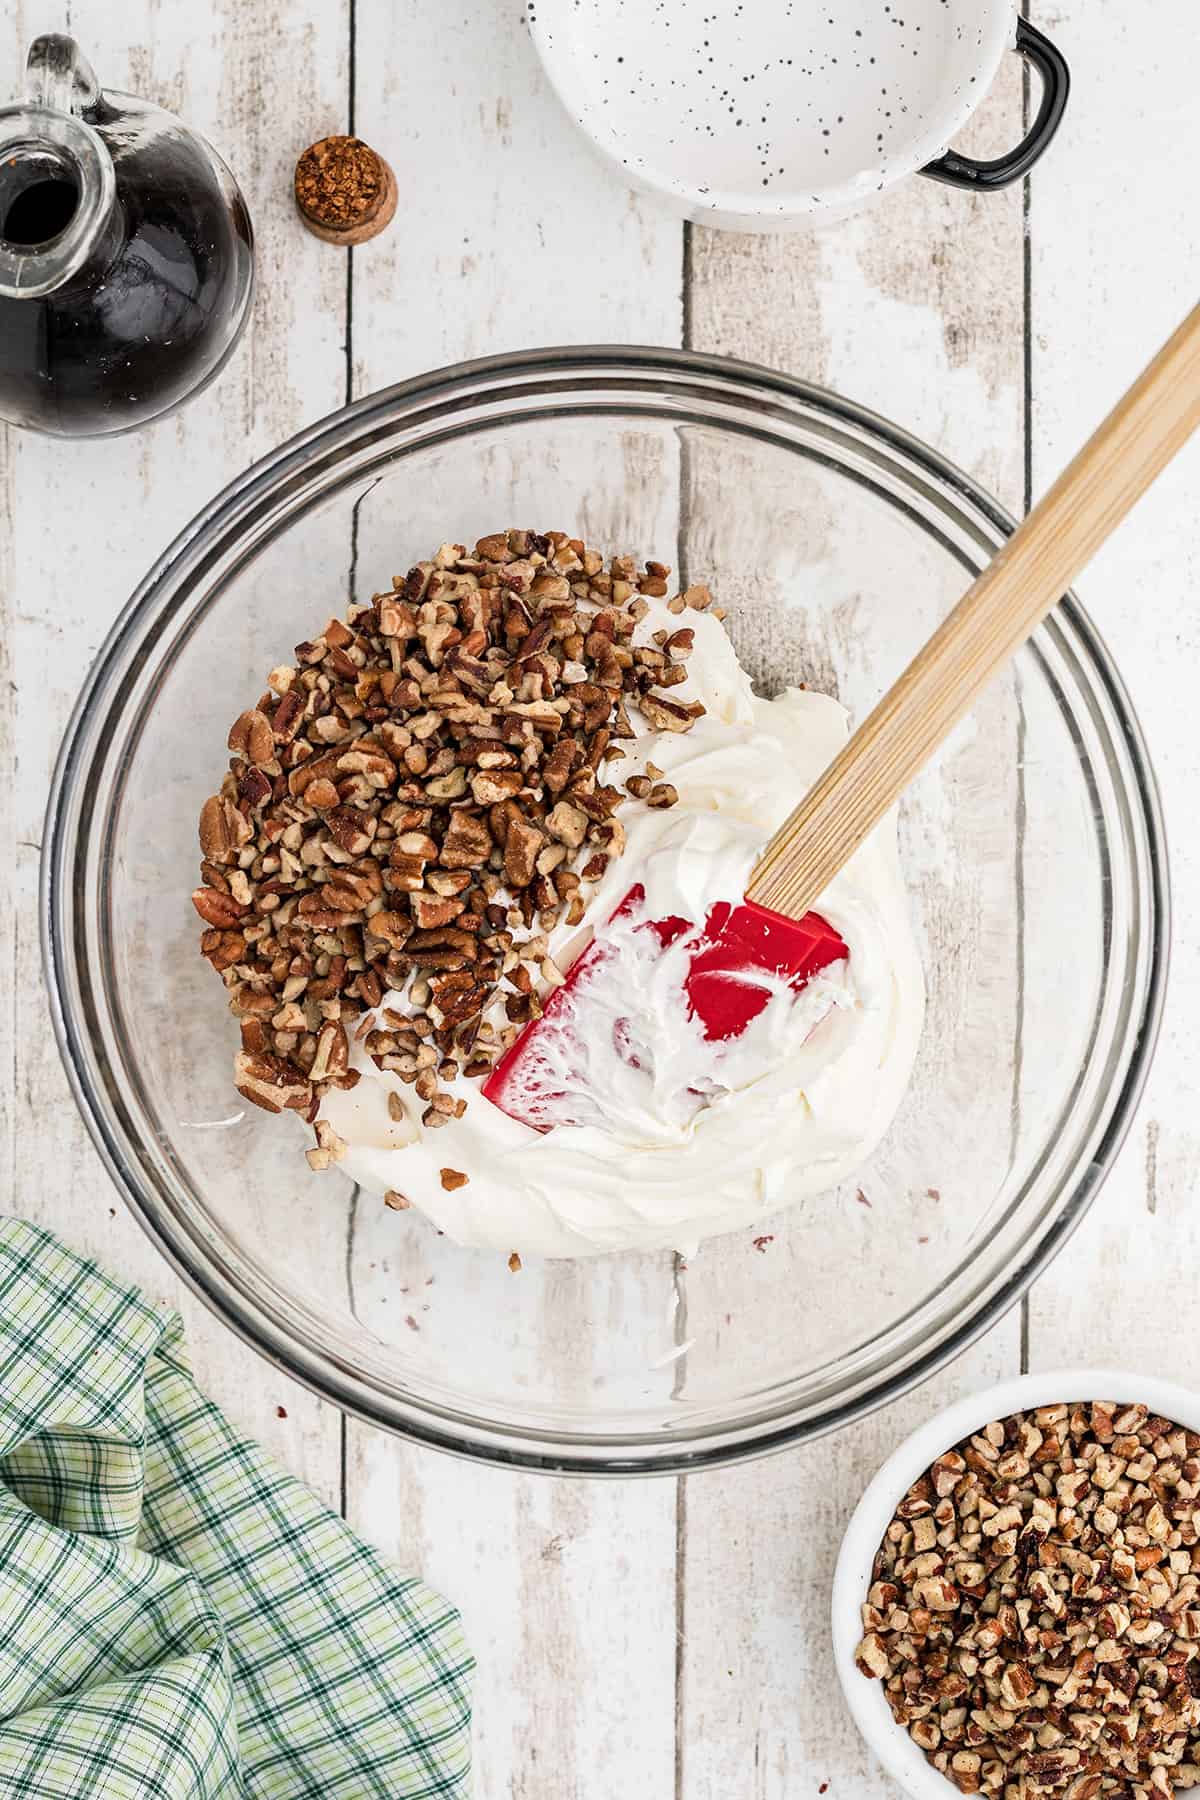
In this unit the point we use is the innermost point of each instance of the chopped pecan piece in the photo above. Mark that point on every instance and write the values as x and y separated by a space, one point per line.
467 843
670 715
491 787
271 1083
567 824
216 839
521 847
217 909
251 736
431 909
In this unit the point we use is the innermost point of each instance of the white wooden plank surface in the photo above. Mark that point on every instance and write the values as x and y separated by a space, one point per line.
915 309
85 519
510 234
1115 252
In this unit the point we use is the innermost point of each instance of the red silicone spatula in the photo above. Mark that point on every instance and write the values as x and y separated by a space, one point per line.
737 941
774 928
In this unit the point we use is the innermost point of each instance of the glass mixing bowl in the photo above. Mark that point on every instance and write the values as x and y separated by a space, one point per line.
1032 847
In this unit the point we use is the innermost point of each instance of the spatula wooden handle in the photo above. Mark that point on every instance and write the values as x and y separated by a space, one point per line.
996 615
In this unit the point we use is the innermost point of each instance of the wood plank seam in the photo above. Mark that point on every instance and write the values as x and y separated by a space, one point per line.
1027 497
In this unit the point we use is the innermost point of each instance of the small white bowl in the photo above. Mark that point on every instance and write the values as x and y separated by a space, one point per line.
864 1534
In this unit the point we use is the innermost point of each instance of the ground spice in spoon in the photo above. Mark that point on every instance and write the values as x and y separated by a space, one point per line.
344 190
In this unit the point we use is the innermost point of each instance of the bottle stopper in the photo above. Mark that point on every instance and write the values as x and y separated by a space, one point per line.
345 192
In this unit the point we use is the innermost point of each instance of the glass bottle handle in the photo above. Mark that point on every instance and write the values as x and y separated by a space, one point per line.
59 75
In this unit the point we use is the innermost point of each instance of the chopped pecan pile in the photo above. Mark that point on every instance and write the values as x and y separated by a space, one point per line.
415 804
1035 1608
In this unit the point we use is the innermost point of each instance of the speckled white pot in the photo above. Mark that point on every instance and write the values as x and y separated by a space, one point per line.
761 114
864 1534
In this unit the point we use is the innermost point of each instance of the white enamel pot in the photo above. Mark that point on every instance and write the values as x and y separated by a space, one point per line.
762 115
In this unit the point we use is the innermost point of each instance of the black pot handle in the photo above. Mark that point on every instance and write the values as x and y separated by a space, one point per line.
964 172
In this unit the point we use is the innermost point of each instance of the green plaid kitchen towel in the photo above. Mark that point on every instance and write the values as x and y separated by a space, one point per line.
179 1620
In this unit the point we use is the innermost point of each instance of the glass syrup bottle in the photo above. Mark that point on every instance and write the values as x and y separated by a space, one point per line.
126 254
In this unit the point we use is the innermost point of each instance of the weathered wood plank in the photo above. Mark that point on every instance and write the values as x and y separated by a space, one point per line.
567 1588
1115 239
916 310
78 525
509 234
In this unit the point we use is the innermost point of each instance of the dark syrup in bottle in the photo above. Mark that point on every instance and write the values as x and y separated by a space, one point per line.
121 292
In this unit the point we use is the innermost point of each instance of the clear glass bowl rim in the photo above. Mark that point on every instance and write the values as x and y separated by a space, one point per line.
419 400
